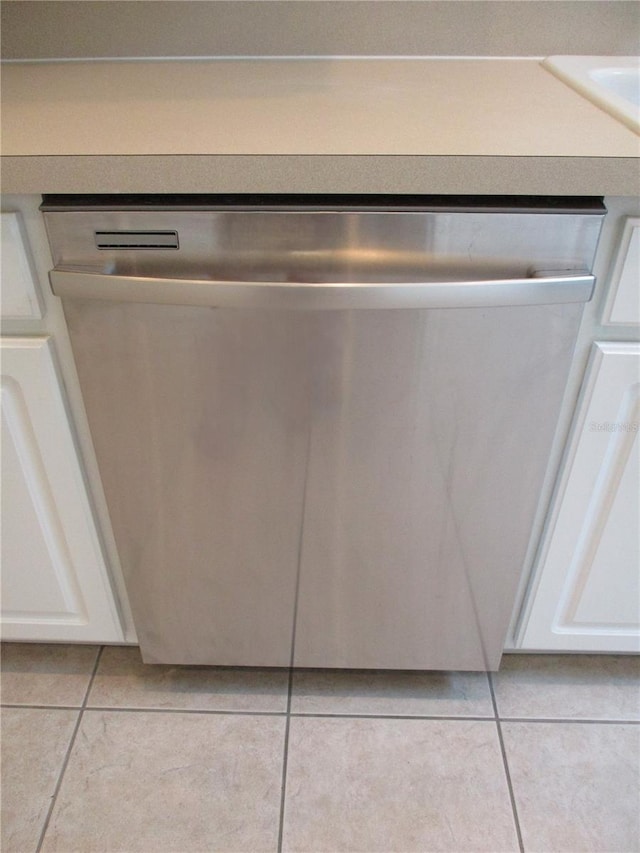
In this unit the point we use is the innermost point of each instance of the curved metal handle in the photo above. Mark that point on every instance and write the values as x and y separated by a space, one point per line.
324 296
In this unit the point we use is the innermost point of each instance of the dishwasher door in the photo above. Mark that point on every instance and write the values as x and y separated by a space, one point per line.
337 486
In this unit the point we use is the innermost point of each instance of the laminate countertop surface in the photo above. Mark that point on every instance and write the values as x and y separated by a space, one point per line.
308 125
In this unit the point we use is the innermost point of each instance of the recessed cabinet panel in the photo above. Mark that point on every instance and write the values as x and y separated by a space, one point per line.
588 593
616 550
623 303
33 543
54 584
19 294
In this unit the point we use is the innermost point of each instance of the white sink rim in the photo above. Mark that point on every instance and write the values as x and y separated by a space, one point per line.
586 74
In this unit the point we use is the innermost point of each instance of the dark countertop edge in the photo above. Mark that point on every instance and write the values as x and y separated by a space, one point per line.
362 173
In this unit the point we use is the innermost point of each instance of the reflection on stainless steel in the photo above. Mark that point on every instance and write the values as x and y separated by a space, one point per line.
340 488
332 246
324 296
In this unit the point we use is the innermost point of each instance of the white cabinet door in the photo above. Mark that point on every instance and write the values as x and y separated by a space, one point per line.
19 295
623 302
54 581
587 596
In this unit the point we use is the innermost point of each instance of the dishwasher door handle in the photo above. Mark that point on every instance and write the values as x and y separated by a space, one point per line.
537 290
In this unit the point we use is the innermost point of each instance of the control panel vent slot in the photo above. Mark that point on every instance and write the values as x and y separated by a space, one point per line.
137 239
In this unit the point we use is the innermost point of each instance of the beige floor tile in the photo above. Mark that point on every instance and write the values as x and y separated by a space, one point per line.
395 693
34 745
396 786
569 686
152 782
122 680
35 674
576 785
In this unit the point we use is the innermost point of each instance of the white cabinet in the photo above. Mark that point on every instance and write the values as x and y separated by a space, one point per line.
54 580
587 596
623 302
20 298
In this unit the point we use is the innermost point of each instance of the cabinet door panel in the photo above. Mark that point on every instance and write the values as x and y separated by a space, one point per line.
54 585
588 592
19 292
623 303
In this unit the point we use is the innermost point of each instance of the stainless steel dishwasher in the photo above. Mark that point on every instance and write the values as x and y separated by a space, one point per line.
322 423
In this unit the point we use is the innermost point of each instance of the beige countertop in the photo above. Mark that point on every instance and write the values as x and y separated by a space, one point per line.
308 125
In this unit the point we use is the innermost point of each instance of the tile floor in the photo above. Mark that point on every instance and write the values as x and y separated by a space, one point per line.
103 753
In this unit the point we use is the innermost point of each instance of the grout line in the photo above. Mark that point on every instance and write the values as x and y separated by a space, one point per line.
330 714
69 749
92 679
41 707
487 674
321 715
589 721
285 760
203 711
514 808
338 715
